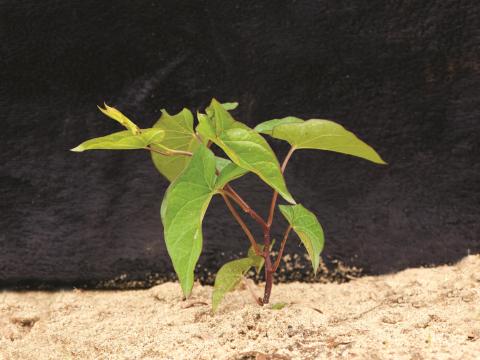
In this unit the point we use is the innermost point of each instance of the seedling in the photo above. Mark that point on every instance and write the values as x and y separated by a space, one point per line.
183 154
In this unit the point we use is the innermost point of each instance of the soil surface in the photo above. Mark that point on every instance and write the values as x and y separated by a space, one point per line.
425 313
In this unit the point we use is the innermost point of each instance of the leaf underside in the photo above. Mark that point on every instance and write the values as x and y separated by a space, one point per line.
308 229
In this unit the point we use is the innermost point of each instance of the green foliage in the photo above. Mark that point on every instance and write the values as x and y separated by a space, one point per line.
182 212
183 156
231 273
308 229
228 172
228 277
179 135
123 140
122 119
267 127
230 105
244 146
319 134
184 207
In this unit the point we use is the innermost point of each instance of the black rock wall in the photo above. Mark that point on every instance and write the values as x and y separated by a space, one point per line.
403 75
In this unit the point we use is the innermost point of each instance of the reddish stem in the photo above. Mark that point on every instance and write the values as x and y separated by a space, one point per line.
275 193
282 246
245 228
243 204
268 267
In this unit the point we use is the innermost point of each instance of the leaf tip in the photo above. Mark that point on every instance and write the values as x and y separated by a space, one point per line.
103 109
79 148
290 199
377 159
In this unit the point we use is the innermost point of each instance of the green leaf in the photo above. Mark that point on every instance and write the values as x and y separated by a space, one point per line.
182 212
179 135
266 127
244 146
228 277
228 172
122 119
320 134
123 140
230 105
307 227
204 127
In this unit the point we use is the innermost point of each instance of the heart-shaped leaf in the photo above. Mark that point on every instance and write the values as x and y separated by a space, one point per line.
123 140
319 134
243 145
307 227
179 135
228 277
182 212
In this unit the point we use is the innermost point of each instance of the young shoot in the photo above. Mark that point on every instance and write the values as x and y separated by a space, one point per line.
182 153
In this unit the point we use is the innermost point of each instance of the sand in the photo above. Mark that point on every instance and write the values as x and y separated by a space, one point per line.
427 313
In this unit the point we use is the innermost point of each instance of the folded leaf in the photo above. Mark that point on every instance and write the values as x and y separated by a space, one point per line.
122 119
243 145
307 227
228 277
179 135
319 134
182 212
123 140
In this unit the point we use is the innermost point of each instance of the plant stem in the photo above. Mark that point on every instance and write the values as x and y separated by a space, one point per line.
275 193
257 299
268 266
282 246
245 207
245 228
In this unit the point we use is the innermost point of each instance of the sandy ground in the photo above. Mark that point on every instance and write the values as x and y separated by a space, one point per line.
416 314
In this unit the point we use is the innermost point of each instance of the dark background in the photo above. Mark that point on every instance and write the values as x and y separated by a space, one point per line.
403 75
